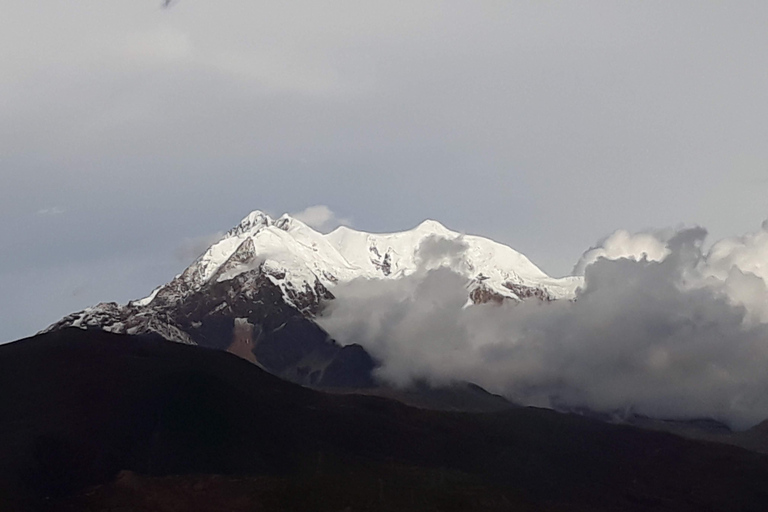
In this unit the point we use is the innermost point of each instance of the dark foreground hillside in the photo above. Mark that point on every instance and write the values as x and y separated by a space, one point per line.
95 421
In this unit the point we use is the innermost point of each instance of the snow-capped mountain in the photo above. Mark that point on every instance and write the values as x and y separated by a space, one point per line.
306 264
255 291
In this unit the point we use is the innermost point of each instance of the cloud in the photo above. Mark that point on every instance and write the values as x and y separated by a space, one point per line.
321 218
623 244
435 251
54 210
735 264
666 337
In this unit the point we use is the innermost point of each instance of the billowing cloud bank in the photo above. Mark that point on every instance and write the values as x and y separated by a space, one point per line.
661 327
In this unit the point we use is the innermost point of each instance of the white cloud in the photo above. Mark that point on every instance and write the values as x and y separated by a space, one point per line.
435 251
664 336
321 218
623 244
53 210
734 264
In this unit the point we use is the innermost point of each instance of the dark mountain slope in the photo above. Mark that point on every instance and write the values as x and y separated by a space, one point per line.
79 406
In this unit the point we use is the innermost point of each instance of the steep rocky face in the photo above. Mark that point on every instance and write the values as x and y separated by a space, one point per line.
276 275
281 338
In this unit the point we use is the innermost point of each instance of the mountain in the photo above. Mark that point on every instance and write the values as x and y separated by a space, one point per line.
99 421
754 439
256 291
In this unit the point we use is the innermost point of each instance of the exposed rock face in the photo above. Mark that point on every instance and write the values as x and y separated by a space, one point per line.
529 292
482 295
243 339
281 338
382 263
479 293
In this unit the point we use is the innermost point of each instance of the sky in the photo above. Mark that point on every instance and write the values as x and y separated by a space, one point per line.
130 135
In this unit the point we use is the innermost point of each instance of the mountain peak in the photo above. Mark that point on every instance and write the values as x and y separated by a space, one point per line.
257 219
288 223
430 225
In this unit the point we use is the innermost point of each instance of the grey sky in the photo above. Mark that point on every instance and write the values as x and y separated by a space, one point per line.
127 132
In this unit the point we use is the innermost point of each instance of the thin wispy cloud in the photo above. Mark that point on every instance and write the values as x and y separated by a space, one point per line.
321 218
51 211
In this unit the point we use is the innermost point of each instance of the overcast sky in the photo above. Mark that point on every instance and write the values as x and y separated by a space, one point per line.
130 134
